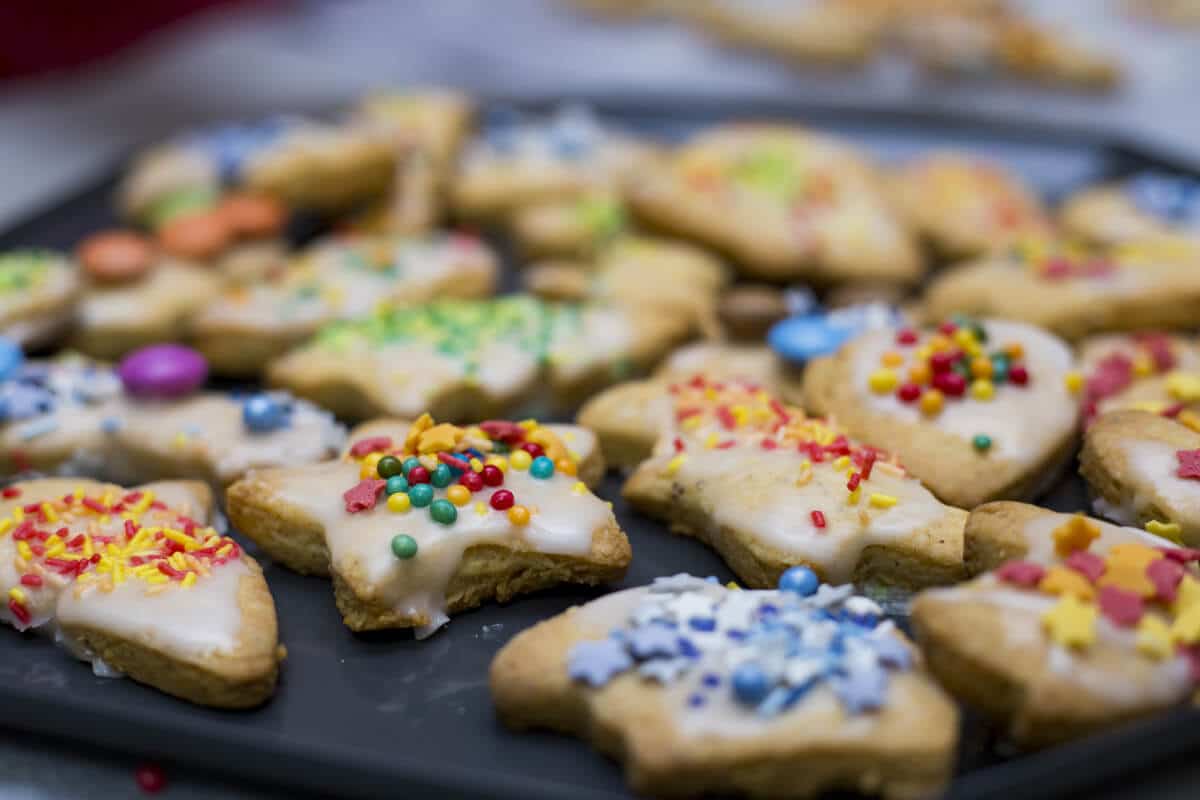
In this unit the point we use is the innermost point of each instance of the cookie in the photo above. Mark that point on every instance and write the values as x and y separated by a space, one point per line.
629 418
301 162
246 327
38 294
700 689
429 128
770 488
1078 626
463 359
575 227
1146 205
831 33
786 204
149 420
1150 371
965 206
137 583
136 294
238 234
520 161
417 523
1142 470
748 311
1075 291
978 410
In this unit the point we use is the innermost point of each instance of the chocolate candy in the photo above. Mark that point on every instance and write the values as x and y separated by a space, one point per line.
164 371
116 256
196 237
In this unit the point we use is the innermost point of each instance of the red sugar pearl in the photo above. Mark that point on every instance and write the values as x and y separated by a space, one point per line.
943 360
908 392
907 336
533 448
947 328
1018 375
950 383
472 480
492 475
150 778
418 475
502 499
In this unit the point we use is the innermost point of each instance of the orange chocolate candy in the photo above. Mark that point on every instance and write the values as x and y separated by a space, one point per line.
253 215
115 256
196 237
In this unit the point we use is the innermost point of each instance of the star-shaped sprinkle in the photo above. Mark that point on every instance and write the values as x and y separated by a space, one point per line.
861 691
1122 608
1165 574
890 650
862 607
1153 638
364 495
1021 573
1087 564
802 671
1066 582
375 444
597 662
1183 555
1126 569
691 605
827 595
1075 534
1071 623
653 641
1189 463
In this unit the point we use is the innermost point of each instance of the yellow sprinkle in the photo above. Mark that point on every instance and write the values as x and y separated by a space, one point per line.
579 488
6 525
841 462
675 463
188 580
1073 381
181 538
805 473
224 551
1184 386
883 500
88 552
733 586
1189 418
1143 366
476 465
892 359
882 381
49 512
143 502
852 498
118 573
399 502
18 513
1153 638
481 509
155 577
16 594
982 389
691 423
1167 530
710 441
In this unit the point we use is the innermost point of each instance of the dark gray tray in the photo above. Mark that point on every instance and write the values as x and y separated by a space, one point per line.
382 714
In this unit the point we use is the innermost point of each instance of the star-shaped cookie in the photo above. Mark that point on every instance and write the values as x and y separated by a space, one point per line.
700 689
1142 470
137 583
1076 626
785 203
463 359
1076 290
770 488
978 410
418 522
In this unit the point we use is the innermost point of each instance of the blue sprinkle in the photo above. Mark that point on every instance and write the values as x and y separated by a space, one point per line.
695 700
735 634
891 651
768 609
111 424
687 649
800 580
705 624
750 684
863 691
11 358
711 679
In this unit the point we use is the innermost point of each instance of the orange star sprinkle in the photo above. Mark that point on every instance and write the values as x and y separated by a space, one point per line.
1067 583
1077 534
1126 568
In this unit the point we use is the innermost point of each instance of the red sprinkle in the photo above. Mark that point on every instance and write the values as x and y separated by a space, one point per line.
947 328
534 449
779 410
906 336
19 611
95 505
10 492
1181 554
454 462
868 464
725 416
950 383
908 392
855 479
503 430
169 571
1122 607
1189 463
364 495
678 443
492 475
502 499
727 444
1018 375
370 445
818 519
150 778
1021 573
1165 574
131 528
769 444
943 360
1087 564
32 581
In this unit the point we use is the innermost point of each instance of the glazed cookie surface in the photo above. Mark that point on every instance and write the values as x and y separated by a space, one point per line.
701 689
137 583
1077 291
1146 205
1144 469
1149 371
978 410
418 522
575 227
459 359
824 32
247 326
770 488
785 203
38 294
1077 626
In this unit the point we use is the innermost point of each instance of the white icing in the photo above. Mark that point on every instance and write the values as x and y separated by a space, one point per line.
169 293
1040 541
1157 464
1025 422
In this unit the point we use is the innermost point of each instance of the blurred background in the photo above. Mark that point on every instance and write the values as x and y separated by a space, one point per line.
80 88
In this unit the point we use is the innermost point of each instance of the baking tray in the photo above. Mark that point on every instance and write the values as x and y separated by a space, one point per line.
382 714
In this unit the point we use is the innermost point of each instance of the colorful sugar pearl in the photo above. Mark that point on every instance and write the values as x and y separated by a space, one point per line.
404 547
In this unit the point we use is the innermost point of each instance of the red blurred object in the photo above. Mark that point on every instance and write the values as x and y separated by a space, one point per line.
39 36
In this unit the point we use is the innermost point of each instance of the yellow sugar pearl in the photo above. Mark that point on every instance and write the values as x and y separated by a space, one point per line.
882 381
566 466
1143 366
458 494
372 459
982 389
476 465
924 352
16 594
518 515
399 502
520 459
939 343
981 367
366 470
931 402
963 337
481 509
499 462
1073 381
1014 350
892 359
920 374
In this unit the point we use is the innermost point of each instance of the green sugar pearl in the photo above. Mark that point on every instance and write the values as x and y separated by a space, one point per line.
421 495
441 476
389 467
404 546
982 442
443 511
409 463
